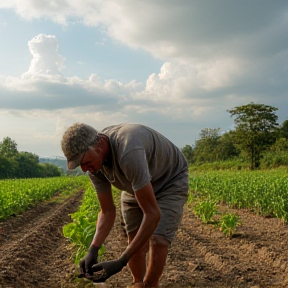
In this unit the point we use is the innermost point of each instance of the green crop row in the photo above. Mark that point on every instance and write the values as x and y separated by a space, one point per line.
82 228
266 192
18 195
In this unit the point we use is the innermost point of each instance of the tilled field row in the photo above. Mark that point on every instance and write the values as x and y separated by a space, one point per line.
34 253
28 251
248 260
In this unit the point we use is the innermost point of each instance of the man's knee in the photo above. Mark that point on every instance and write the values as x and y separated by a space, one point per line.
159 240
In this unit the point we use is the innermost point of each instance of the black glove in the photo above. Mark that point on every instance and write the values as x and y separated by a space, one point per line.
106 269
88 261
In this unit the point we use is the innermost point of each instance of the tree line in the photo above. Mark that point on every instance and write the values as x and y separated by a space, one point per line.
256 136
15 164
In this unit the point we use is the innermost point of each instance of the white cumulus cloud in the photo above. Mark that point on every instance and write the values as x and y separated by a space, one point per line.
46 60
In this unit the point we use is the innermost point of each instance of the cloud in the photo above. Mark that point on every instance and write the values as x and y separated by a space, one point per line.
216 54
186 30
46 60
50 93
207 46
191 88
44 87
191 81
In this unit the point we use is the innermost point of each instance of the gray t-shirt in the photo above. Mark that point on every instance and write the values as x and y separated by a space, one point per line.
140 155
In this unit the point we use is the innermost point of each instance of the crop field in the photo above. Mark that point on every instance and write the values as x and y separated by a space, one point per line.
18 195
233 232
265 192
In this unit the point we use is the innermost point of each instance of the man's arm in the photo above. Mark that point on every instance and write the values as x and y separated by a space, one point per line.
106 218
151 216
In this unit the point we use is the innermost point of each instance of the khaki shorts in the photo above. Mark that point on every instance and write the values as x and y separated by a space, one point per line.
170 201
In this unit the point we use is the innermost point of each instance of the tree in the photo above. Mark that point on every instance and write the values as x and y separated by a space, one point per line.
255 129
226 148
284 129
210 133
49 170
27 165
14 164
281 144
188 153
7 167
8 148
204 150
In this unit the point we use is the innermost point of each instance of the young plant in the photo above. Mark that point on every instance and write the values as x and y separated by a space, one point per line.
228 224
205 210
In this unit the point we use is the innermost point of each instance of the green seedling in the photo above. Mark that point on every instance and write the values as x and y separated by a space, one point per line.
205 210
228 224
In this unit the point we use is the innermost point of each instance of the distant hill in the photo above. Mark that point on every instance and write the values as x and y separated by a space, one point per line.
61 163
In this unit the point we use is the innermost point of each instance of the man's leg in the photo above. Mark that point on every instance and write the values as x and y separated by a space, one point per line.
171 204
132 216
157 260
137 263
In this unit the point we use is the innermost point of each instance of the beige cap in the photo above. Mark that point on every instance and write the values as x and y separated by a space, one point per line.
75 143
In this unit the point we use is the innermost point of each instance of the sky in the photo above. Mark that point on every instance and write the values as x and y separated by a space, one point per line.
175 66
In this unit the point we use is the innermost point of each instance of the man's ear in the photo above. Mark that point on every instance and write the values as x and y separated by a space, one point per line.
98 145
100 141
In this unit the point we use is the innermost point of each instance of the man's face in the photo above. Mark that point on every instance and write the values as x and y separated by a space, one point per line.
92 160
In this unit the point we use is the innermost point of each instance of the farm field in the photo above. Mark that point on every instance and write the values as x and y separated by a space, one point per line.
34 253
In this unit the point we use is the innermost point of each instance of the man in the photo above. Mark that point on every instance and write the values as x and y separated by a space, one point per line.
153 174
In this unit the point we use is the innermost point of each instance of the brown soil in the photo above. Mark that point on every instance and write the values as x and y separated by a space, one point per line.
34 253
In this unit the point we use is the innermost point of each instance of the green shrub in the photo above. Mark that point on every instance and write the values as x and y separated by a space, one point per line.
274 159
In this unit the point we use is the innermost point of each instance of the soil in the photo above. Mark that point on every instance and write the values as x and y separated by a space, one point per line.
34 253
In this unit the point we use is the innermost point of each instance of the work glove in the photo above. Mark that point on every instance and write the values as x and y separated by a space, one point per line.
88 261
104 270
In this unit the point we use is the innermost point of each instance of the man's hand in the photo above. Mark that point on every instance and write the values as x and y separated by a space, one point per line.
88 261
106 269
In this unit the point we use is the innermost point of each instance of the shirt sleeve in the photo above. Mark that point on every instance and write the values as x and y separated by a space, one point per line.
135 167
